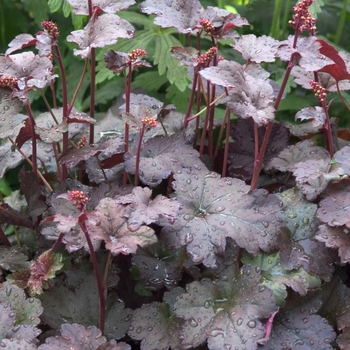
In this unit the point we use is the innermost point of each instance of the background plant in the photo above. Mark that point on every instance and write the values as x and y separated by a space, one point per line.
181 257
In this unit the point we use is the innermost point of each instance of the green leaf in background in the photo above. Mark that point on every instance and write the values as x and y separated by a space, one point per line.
38 10
66 9
54 5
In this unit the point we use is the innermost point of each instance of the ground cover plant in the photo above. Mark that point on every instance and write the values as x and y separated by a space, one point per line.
207 224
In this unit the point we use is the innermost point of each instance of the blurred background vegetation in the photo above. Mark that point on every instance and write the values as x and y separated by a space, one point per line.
166 80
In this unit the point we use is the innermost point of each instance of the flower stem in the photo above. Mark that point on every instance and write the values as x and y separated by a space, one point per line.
139 145
101 290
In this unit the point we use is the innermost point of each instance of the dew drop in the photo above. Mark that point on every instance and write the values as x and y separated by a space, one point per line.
251 324
239 321
193 322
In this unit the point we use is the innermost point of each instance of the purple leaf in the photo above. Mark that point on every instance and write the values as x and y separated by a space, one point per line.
183 15
187 56
158 266
223 312
214 208
76 155
157 326
337 238
26 311
19 42
161 156
309 50
80 7
316 114
292 155
147 211
293 326
227 74
342 158
247 96
257 49
10 119
14 217
13 258
119 61
33 191
242 150
99 32
75 336
298 248
334 209
30 70
108 222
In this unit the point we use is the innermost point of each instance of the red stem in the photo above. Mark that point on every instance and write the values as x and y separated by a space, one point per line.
4 238
139 145
92 92
101 291
259 160
34 150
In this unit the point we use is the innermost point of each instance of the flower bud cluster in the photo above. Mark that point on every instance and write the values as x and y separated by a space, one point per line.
135 54
51 29
207 26
302 19
320 92
78 198
205 58
82 141
150 122
8 82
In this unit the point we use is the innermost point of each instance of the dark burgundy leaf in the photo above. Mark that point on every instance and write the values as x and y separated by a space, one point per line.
33 190
158 266
80 7
19 42
108 222
145 210
336 72
257 49
337 238
25 134
214 208
13 217
183 15
329 51
334 209
12 258
99 32
303 78
242 150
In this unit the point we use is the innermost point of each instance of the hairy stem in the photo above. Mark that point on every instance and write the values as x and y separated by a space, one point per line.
34 149
92 92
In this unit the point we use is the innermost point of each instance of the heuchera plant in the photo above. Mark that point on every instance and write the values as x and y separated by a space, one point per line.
187 230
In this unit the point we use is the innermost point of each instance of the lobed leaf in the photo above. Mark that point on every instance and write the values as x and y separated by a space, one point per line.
80 7
104 30
75 336
226 312
184 16
214 208
108 222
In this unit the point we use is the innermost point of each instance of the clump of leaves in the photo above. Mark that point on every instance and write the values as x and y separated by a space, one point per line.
218 227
